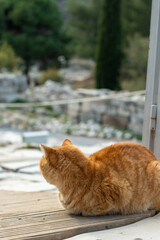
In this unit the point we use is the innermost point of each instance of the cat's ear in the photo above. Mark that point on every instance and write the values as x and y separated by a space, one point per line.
66 142
47 151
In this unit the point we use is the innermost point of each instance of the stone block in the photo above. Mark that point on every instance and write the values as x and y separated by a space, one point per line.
11 85
112 120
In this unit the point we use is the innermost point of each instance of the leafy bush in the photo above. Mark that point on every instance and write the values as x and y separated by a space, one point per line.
135 62
50 74
8 59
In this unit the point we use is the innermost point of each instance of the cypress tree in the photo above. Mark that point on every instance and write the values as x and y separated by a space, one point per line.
109 52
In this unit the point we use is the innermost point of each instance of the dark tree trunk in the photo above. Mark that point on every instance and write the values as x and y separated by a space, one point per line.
109 48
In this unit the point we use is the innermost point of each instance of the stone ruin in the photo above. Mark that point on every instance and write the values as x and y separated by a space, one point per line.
11 85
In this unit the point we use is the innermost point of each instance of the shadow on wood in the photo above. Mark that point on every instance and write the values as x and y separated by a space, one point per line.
40 216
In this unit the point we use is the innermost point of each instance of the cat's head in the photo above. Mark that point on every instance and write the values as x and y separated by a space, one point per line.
59 162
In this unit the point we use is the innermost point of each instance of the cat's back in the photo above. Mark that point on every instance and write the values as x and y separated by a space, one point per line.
124 151
133 168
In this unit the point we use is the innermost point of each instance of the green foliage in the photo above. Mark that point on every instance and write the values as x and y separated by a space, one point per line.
136 17
52 114
133 72
31 146
34 29
19 100
68 131
14 108
83 22
8 59
48 107
135 84
1 119
50 74
32 115
136 24
27 146
109 49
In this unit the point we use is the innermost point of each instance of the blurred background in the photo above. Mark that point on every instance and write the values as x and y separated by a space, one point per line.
68 69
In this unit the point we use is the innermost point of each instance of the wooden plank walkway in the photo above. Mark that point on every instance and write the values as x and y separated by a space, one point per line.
26 216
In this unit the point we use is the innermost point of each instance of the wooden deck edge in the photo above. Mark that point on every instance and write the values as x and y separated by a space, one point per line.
106 225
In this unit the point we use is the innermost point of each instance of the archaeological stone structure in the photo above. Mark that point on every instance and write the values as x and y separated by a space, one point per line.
11 85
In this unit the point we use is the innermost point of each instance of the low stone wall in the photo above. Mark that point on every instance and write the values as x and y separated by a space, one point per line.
11 85
121 109
126 112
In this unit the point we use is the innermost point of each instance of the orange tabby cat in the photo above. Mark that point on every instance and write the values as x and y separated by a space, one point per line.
122 178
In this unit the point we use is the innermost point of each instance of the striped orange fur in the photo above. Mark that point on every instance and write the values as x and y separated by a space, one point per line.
122 178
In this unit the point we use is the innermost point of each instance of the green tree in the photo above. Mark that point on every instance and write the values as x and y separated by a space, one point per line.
8 59
83 25
136 17
109 49
83 17
34 29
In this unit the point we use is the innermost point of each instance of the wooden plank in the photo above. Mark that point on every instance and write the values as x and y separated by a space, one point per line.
39 216
66 227
152 79
11 196
16 203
